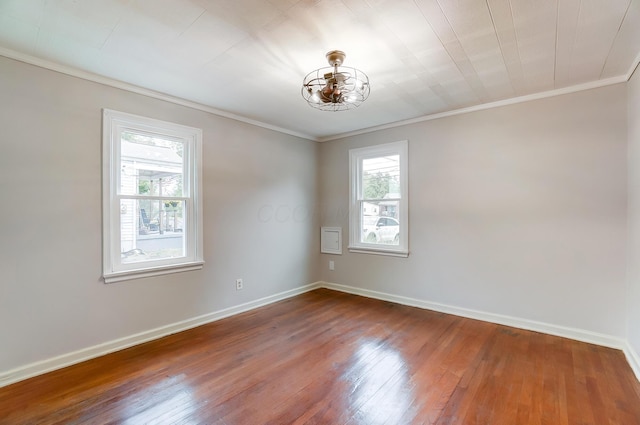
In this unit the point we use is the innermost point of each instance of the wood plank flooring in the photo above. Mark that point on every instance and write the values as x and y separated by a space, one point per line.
331 358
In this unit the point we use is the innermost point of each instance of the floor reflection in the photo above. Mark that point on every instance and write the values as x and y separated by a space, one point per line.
169 401
381 390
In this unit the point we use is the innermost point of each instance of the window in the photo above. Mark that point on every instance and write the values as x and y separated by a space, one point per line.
378 212
152 211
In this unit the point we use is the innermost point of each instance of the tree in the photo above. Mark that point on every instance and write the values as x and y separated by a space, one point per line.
376 186
143 187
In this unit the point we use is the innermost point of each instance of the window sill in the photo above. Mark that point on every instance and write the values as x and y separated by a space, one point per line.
379 251
152 271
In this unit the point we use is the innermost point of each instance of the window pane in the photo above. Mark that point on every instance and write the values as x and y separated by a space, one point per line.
380 223
150 166
381 177
151 229
378 209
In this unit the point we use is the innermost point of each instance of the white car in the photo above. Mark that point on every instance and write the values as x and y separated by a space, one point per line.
380 230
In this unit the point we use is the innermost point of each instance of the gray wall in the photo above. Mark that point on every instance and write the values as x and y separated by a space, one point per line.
519 210
52 300
633 305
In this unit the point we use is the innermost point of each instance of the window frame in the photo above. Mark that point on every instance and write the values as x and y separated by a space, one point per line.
114 123
356 158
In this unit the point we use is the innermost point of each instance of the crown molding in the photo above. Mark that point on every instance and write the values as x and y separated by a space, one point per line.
484 106
89 76
78 73
633 67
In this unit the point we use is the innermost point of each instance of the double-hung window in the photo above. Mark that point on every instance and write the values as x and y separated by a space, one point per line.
378 211
152 207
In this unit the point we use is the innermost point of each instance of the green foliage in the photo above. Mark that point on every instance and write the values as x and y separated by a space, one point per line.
143 186
376 186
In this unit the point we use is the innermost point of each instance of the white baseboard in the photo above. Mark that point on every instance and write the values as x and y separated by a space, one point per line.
48 365
633 358
531 325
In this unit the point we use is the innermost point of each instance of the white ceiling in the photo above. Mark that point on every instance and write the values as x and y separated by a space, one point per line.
248 57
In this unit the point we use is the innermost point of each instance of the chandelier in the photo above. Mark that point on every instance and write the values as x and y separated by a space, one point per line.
335 88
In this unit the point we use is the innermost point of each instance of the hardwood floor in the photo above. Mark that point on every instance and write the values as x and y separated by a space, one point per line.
331 358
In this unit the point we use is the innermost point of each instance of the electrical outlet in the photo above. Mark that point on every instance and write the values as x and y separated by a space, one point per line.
332 266
239 284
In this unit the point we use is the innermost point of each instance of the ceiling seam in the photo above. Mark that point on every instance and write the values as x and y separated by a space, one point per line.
443 44
515 32
555 47
613 42
504 60
434 87
475 78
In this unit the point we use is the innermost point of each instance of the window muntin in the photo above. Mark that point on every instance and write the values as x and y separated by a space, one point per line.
152 209
155 162
378 218
156 236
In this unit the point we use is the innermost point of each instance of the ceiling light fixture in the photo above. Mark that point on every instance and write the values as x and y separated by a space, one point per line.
335 88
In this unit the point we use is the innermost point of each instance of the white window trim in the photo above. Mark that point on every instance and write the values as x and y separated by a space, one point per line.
113 123
356 156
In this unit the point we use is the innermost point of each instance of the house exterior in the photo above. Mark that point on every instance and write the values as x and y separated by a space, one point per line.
149 169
